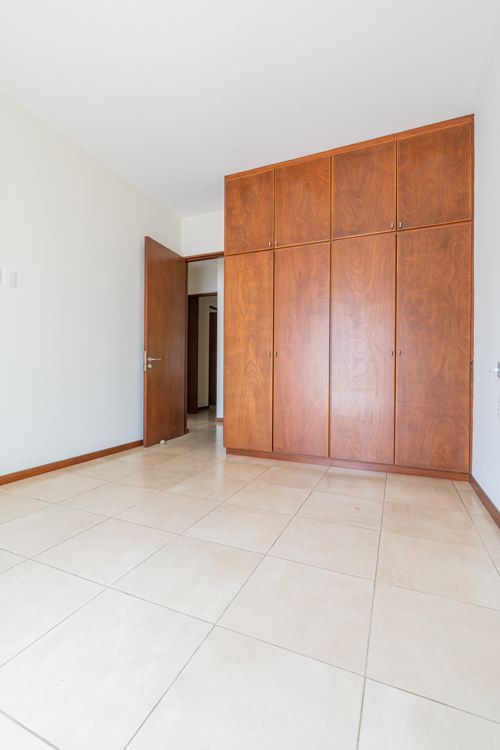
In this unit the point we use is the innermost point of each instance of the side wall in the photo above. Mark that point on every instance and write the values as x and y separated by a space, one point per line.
486 441
71 332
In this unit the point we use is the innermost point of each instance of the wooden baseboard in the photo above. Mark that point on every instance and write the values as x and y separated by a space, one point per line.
26 473
219 419
390 468
200 408
488 504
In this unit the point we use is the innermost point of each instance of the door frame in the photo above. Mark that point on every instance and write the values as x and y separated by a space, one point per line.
192 259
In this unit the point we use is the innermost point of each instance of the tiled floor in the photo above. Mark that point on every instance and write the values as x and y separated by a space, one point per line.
176 598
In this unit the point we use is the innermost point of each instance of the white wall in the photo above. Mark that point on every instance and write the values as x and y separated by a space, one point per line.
486 445
72 331
203 234
202 276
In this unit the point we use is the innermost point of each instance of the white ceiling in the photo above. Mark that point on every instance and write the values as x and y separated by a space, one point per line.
173 94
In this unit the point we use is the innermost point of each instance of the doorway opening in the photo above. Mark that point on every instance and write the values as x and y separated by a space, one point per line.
204 336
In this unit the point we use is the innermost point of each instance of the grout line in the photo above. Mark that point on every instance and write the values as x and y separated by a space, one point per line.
370 623
27 729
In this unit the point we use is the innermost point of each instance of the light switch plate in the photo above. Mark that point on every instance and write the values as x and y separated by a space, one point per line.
9 278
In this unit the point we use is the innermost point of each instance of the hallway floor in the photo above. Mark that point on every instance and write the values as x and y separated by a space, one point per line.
175 598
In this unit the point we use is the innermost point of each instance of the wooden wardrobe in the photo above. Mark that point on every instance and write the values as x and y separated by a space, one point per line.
348 304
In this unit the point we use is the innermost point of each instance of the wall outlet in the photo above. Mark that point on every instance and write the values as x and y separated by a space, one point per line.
9 278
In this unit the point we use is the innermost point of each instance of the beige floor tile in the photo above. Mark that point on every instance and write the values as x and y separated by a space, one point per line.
495 556
462 485
440 568
192 576
155 478
270 497
236 470
371 489
287 476
430 523
209 487
410 479
34 599
438 648
106 552
56 489
8 560
395 720
250 695
87 464
357 473
345 549
304 466
266 462
109 471
110 499
36 532
352 511
142 460
472 503
425 495
488 531
169 512
190 463
91 681
17 486
245 528
15 737
14 506
313 612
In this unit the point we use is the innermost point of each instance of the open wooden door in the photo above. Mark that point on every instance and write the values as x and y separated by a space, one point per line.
164 344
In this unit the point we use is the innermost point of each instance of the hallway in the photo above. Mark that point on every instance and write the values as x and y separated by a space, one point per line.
176 598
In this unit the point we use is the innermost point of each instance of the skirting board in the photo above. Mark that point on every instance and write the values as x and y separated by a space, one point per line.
488 504
26 473
219 419
354 464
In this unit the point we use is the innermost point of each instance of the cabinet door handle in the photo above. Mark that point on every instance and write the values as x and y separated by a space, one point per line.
270 244
399 352
269 354
275 354
392 225
392 353
276 243
400 224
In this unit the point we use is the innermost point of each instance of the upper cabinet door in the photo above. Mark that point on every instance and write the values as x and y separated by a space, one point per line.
434 177
303 202
249 208
364 190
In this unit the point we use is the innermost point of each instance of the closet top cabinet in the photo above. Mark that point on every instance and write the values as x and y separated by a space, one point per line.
434 177
302 203
364 190
249 211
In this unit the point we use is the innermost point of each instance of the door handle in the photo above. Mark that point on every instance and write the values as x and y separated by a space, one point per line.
154 359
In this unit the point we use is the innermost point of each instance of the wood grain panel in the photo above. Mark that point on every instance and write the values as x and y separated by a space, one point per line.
248 341
364 190
434 177
301 367
165 339
303 202
362 339
249 208
433 335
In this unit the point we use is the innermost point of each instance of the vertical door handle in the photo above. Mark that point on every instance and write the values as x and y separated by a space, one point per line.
275 354
276 243
399 352
400 225
392 353
269 354
270 244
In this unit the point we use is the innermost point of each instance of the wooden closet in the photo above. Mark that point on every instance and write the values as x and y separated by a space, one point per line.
348 298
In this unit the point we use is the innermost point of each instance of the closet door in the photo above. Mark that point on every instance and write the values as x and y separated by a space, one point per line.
249 209
248 348
434 177
362 348
364 190
303 202
301 344
433 336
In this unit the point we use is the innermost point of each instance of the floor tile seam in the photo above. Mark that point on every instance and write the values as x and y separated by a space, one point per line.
162 606
319 567
177 533
438 596
433 700
23 515
91 580
347 494
156 492
487 549
290 650
27 729
98 479
73 536
223 544
339 523
362 702
172 683
425 538
428 507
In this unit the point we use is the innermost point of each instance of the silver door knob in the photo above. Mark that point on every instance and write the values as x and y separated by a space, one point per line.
154 359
